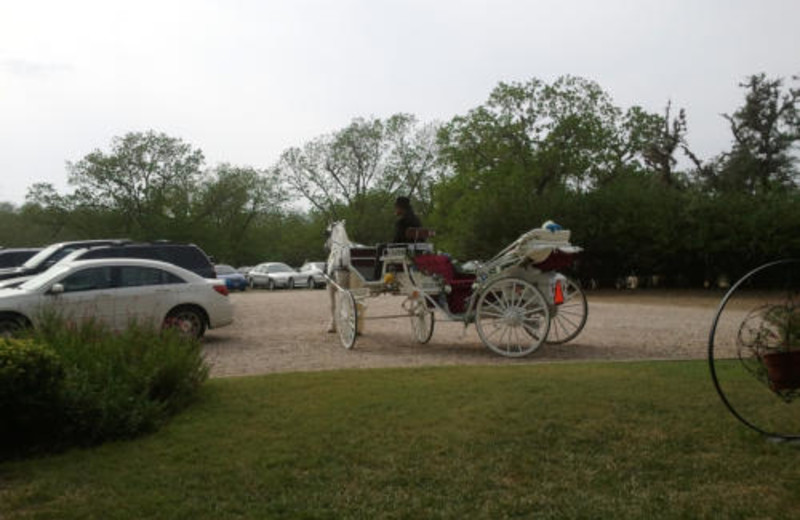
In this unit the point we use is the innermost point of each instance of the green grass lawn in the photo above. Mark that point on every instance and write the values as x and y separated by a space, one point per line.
643 440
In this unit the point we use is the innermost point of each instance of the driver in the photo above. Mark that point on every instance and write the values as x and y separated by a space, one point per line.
406 219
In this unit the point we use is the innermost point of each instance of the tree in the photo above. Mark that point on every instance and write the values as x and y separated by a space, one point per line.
151 186
230 203
17 228
766 130
557 134
147 178
651 142
371 156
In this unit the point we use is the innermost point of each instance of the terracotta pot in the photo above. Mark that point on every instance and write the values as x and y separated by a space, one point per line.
783 369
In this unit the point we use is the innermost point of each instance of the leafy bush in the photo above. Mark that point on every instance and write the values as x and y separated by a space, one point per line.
31 378
106 385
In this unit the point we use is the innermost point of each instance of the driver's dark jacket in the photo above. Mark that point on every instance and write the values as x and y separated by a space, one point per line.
408 220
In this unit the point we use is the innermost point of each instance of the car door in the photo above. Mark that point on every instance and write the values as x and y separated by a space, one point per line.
263 275
278 273
88 295
144 295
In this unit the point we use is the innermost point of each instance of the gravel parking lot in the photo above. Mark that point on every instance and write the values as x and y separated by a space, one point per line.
285 331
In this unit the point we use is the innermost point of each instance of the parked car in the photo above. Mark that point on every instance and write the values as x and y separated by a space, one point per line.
10 258
314 273
234 280
188 256
10 283
51 254
117 291
274 275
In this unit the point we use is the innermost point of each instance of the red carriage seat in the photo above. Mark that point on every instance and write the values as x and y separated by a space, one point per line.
557 260
461 284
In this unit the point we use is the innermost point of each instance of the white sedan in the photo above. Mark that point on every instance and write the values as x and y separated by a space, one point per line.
273 275
314 273
117 292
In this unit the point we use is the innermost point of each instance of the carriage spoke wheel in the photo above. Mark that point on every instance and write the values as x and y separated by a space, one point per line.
422 321
346 318
512 317
568 319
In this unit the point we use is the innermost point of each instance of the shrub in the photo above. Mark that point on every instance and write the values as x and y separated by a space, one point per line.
31 378
106 385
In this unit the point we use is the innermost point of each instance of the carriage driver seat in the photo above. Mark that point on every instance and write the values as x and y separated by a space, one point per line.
416 244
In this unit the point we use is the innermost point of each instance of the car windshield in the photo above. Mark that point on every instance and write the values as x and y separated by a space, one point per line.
41 256
224 269
46 277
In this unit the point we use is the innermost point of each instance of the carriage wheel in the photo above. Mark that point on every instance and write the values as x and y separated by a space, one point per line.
422 321
568 319
346 318
512 317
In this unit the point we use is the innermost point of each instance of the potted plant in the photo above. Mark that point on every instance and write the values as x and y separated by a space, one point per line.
778 341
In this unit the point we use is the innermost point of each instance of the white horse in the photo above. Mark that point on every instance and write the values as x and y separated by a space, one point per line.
338 265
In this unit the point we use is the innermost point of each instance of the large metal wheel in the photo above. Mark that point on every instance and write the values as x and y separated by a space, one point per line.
568 319
755 322
346 318
512 317
422 321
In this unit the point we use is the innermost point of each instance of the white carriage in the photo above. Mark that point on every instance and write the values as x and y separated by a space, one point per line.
517 300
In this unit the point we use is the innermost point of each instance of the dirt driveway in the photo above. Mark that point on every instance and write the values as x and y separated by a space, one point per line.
285 331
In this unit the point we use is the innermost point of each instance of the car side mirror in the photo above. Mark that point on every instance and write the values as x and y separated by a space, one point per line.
56 289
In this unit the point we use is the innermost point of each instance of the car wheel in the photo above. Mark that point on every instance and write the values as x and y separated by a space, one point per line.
187 320
311 284
271 284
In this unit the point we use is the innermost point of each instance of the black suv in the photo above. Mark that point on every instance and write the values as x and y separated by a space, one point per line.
15 257
188 256
48 256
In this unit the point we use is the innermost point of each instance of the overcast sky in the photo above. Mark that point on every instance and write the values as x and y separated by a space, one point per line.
245 79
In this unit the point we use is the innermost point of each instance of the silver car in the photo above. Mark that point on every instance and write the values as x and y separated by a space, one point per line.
274 275
116 291
314 273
